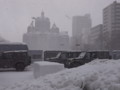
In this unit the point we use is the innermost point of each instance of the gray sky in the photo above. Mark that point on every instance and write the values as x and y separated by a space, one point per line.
15 15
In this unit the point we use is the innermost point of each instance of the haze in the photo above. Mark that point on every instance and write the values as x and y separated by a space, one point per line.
15 15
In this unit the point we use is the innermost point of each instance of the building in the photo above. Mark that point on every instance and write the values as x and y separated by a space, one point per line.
40 36
80 30
111 26
96 38
46 41
42 23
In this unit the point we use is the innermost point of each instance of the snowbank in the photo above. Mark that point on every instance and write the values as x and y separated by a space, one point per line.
43 68
97 75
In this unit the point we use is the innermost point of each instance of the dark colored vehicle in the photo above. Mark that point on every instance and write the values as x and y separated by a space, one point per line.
12 47
15 59
85 57
115 54
73 54
50 54
56 56
103 54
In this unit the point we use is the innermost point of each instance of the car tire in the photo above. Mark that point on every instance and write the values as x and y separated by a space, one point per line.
20 67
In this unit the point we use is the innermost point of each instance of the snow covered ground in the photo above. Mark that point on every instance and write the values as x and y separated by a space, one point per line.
96 75
9 77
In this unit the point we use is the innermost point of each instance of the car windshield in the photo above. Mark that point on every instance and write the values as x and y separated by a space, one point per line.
81 55
58 55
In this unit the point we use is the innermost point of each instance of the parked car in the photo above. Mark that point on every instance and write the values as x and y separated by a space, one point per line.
115 54
15 59
59 57
85 57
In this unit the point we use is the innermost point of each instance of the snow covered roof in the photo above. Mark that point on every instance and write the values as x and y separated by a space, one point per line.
1 43
15 51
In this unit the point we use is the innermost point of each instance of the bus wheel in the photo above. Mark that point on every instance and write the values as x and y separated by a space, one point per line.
20 67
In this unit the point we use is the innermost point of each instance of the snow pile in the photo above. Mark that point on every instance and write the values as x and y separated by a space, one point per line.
97 75
43 68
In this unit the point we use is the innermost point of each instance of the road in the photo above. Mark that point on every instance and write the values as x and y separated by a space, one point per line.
9 77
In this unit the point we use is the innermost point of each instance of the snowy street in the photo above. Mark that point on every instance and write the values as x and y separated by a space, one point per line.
9 77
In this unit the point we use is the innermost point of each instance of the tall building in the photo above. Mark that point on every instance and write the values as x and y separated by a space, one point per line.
80 29
111 26
40 36
96 38
42 23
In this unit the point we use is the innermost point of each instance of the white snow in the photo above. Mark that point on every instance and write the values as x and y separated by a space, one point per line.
96 75
9 76
43 68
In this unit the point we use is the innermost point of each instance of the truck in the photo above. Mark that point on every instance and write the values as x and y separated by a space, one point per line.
85 57
18 59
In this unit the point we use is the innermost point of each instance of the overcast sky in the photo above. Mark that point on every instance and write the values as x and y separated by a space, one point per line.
15 15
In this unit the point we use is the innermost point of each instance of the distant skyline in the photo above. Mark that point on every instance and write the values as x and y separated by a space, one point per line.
16 14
